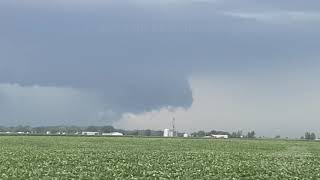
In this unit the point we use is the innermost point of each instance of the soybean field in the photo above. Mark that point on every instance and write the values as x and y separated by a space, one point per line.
45 157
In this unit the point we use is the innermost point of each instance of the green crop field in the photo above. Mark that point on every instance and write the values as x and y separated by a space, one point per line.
24 157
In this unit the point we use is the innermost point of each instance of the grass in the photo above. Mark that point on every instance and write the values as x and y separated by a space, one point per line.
27 157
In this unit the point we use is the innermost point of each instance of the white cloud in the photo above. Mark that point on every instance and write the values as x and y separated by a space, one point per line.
283 17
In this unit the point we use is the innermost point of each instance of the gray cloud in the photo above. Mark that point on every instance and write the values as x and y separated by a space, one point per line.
38 105
137 56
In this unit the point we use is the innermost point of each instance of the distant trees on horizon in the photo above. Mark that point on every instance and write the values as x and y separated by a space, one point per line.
238 134
146 132
310 136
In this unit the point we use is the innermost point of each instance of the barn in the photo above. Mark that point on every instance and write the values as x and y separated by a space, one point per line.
220 136
112 134
90 133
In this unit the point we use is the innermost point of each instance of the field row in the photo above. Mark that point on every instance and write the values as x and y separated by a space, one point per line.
148 158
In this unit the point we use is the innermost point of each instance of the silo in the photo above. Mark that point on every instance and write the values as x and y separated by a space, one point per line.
166 132
171 133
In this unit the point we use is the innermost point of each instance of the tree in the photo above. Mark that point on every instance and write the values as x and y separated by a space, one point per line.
40 130
278 137
307 136
310 136
3 129
92 129
199 134
107 129
313 136
251 134
237 134
233 135
157 133
22 129
147 132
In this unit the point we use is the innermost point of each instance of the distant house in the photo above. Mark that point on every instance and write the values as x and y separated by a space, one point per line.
220 136
185 135
112 134
90 133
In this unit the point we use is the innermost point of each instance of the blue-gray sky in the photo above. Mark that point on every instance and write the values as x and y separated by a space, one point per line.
94 62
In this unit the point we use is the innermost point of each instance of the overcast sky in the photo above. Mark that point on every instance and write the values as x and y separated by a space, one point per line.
212 64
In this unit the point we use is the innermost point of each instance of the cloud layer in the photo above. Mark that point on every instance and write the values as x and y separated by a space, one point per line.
138 56
277 103
38 105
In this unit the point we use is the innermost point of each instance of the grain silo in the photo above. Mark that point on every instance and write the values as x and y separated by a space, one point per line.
166 133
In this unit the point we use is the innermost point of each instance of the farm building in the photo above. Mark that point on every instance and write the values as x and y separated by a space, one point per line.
112 134
167 133
90 133
220 136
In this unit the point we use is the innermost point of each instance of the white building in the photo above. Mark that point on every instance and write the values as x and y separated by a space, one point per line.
171 133
220 136
90 133
185 135
112 134
167 133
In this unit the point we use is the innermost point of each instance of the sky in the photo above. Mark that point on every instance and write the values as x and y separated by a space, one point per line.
135 64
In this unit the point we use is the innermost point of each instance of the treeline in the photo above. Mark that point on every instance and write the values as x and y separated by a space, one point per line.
109 129
147 132
309 136
76 130
57 129
238 134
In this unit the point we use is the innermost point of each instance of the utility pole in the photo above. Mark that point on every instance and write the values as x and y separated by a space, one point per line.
174 126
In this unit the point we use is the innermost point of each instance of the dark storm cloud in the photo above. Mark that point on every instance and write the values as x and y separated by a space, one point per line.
62 49
138 55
